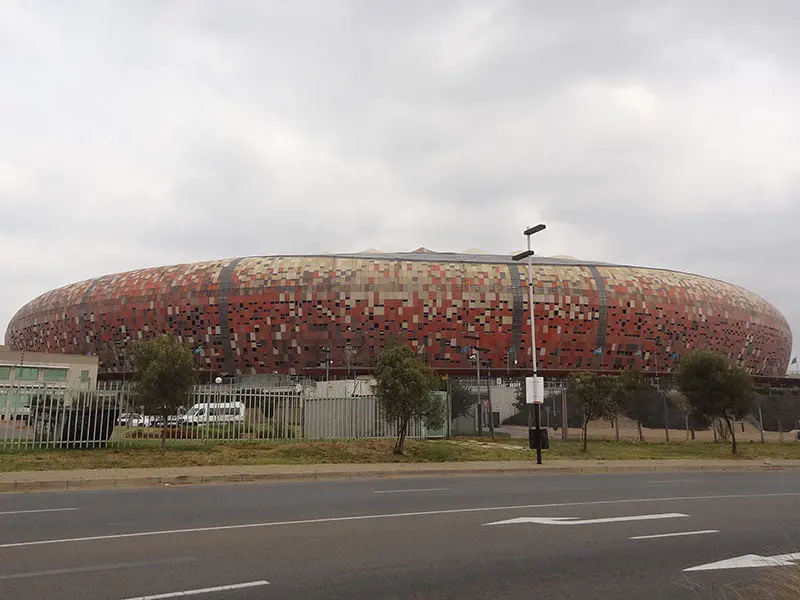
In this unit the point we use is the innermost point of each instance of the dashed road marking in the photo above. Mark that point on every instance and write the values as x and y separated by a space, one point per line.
676 534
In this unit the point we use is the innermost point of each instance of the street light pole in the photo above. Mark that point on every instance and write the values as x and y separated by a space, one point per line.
537 412
478 373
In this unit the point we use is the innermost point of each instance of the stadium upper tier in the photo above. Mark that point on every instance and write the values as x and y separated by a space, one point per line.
291 314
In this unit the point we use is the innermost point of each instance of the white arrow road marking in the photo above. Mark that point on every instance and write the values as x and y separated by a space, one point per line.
749 561
576 521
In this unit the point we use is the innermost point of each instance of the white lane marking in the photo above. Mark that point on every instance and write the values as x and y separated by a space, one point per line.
407 491
107 567
671 481
750 561
425 513
677 534
209 590
576 521
39 510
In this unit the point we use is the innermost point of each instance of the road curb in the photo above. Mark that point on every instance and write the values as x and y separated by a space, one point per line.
87 483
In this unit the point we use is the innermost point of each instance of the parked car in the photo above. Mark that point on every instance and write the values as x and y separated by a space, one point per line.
213 413
135 420
172 421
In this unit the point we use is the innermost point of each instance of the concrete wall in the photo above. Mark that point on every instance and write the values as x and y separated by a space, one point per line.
345 388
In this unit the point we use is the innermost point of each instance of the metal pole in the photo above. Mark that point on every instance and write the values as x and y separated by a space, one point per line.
479 411
761 420
489 402
538 412
564 420
327 372
663 397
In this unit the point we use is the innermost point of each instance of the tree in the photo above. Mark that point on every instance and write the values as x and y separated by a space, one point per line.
164 377
681 402
634 397
405 386
716 389
461 400
594 392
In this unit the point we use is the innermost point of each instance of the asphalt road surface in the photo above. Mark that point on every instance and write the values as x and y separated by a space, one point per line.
536 536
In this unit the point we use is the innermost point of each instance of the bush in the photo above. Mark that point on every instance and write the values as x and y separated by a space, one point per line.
172 433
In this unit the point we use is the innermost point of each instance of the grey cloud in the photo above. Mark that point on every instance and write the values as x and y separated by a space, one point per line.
147 133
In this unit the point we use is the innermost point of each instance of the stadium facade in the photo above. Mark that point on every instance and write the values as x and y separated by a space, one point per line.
294 314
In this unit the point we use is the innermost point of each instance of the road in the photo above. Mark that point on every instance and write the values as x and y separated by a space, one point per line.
554 536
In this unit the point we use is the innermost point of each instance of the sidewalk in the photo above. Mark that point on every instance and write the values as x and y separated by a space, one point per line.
31 481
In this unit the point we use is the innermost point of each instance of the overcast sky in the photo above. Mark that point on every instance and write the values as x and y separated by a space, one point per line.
144 133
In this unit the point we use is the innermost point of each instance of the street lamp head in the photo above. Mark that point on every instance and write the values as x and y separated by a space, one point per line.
535 229
218 380
522 255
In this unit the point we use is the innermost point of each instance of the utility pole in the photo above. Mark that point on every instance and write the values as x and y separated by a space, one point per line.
538 407
480 404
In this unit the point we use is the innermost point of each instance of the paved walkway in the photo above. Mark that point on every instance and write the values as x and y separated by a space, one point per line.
29 481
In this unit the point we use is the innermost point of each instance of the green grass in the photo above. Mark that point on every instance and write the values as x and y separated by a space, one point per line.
182 453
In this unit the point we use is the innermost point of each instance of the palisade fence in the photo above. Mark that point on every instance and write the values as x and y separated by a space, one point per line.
110 415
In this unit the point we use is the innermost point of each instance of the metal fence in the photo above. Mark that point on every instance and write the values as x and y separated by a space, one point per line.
56 417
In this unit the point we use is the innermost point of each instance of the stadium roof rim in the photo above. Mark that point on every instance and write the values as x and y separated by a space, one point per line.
452 257
503 259
449 257
500 259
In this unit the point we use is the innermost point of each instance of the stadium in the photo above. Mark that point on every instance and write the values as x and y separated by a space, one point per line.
303 315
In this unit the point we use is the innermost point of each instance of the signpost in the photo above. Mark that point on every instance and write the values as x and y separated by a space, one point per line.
534 395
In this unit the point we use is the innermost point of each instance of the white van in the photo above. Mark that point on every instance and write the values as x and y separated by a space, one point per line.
213 412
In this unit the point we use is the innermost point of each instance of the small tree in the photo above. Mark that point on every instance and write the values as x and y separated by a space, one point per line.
461 400
405 386
681 402
594 393
164 377
715 389
634 397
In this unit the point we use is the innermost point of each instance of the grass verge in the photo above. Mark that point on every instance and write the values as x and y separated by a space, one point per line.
191 453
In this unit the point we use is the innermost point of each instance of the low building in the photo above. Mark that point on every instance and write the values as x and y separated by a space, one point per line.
25 374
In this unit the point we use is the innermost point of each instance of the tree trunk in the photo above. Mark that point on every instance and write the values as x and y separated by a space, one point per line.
616 427
401 437
714 429
585 431
732 431
641 432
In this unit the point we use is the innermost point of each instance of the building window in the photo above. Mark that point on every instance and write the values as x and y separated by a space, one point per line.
84 375
55 374
5 372
27 374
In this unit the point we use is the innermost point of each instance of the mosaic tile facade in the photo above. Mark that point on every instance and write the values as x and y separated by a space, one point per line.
291 314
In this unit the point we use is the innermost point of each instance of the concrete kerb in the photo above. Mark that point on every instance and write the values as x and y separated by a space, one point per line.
33 482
